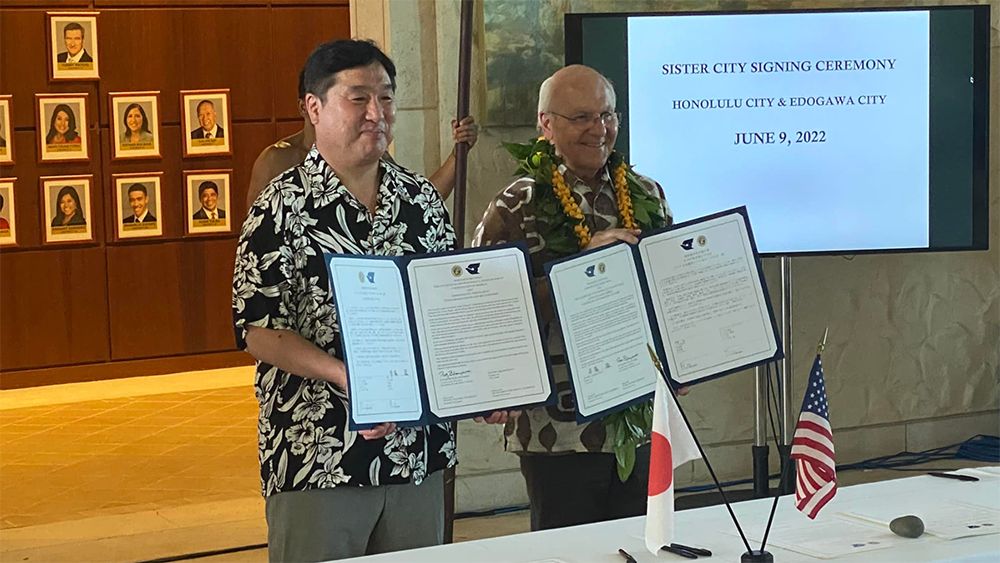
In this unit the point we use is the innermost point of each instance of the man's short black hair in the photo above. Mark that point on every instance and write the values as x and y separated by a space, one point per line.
137 187
208 185
328 59
73 26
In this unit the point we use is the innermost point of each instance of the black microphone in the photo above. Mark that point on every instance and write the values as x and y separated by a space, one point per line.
907 526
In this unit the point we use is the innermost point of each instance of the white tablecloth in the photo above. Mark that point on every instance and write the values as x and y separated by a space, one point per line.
712 528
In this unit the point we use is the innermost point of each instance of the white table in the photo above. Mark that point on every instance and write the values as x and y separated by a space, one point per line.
711 527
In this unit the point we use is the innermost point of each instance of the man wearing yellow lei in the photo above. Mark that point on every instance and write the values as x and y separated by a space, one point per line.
574 193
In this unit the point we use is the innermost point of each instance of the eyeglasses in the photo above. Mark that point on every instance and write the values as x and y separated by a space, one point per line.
581 120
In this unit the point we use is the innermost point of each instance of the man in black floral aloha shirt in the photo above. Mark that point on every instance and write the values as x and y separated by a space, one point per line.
332 493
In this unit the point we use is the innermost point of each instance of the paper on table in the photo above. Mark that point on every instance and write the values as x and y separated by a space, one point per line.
947 520
828 538
605 328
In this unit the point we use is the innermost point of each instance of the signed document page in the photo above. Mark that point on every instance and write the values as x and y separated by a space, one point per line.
378 348
708 297
604 325
478 333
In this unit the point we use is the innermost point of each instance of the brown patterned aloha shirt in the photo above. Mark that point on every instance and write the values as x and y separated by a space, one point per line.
513 216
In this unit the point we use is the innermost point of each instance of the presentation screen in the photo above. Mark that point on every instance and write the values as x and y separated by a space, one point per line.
841 131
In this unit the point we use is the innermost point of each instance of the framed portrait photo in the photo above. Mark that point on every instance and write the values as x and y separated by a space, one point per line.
8 227
207 201
135 125
66 208
6 132
137 213
73 45
206 124
62 127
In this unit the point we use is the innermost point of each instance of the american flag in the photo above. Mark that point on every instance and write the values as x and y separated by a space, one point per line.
812 448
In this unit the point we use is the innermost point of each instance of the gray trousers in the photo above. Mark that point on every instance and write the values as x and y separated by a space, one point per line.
346 521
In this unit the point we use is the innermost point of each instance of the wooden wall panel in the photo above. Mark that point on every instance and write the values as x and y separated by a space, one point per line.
147 55
26 192
24 70
296 32
54 4
253 138
339 3
248 140
53 308
230 48
170 299
23 27
185 3
122 368
286 128
171 195
66 307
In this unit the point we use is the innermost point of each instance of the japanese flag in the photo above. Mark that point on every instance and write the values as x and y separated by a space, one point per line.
672 447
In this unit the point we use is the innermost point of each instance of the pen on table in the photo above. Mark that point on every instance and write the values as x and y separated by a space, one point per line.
679 551
955 476
625 554
695 550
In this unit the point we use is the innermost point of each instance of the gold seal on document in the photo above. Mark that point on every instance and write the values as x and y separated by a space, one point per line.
702 240
456 270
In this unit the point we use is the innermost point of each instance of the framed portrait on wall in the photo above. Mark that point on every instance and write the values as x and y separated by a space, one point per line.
66 208
6 131
62 127
206 125
135 125
207 201
137 212
73 45
8 226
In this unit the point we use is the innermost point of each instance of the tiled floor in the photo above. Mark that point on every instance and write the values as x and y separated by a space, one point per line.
133 470
114 456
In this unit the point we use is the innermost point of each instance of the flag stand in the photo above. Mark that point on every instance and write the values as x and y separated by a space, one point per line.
762 556
701 450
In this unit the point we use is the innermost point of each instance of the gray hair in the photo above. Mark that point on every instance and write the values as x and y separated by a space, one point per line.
545 91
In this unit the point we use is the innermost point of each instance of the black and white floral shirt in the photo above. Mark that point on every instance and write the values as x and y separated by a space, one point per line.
280 282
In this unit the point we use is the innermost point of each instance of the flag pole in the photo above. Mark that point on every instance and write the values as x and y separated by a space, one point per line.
659 368
786 461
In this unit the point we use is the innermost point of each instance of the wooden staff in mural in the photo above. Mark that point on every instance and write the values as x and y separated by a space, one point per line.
458 207
462 149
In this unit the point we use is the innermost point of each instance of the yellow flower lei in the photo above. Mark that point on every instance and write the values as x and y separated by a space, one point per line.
573 211
627 429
